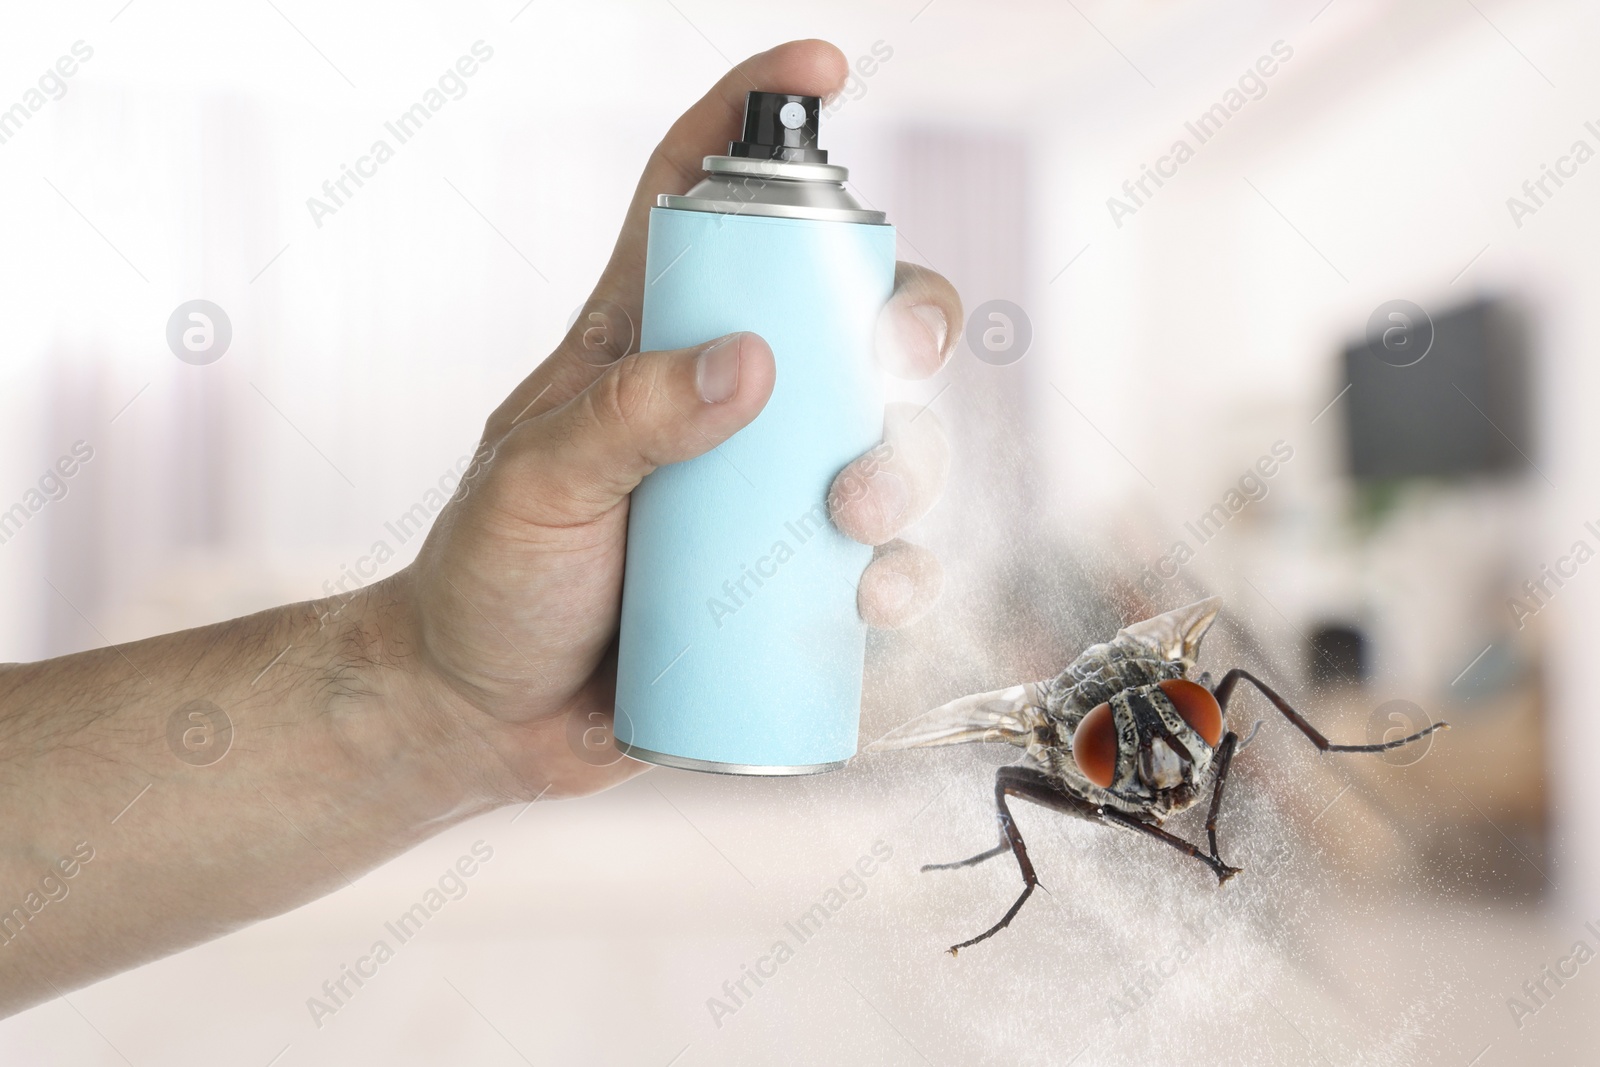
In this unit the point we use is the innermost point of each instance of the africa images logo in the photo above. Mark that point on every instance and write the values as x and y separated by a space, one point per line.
199 332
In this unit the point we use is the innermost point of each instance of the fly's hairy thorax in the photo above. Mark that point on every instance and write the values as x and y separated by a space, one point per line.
1100 673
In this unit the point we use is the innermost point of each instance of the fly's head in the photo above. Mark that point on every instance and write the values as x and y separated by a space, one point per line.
1151 746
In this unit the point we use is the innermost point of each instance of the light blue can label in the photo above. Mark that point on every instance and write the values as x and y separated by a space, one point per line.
740 639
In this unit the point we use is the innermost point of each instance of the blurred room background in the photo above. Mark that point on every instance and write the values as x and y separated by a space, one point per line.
1195 398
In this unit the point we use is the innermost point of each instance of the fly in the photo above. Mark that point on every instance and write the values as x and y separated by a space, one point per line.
1121 737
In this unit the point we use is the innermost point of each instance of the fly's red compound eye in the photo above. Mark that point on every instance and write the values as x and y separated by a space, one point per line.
1094 746
1197 707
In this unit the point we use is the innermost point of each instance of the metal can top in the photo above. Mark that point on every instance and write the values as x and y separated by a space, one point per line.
777 169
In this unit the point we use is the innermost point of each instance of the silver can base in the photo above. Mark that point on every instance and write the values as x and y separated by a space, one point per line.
686 763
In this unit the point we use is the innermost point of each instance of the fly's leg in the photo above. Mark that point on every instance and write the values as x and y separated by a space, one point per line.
1224 758
1133 822
1029 784
1003 846
1224 690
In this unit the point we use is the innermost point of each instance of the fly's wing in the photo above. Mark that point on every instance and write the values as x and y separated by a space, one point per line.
1008 715
1176 634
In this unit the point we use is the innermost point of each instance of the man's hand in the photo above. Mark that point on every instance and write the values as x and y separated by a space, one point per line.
516 595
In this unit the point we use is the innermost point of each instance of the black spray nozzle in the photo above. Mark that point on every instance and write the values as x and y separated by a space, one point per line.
782 127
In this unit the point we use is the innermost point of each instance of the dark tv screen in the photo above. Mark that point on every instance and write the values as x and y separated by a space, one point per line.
1457 412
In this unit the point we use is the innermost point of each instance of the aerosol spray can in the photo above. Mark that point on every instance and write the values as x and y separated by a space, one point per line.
741 649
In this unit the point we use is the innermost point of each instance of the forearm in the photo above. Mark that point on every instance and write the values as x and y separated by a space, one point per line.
336 761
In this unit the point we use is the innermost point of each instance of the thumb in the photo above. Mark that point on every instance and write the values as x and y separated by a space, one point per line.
577 461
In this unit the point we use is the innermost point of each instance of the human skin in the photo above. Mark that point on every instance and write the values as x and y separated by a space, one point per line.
365 723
